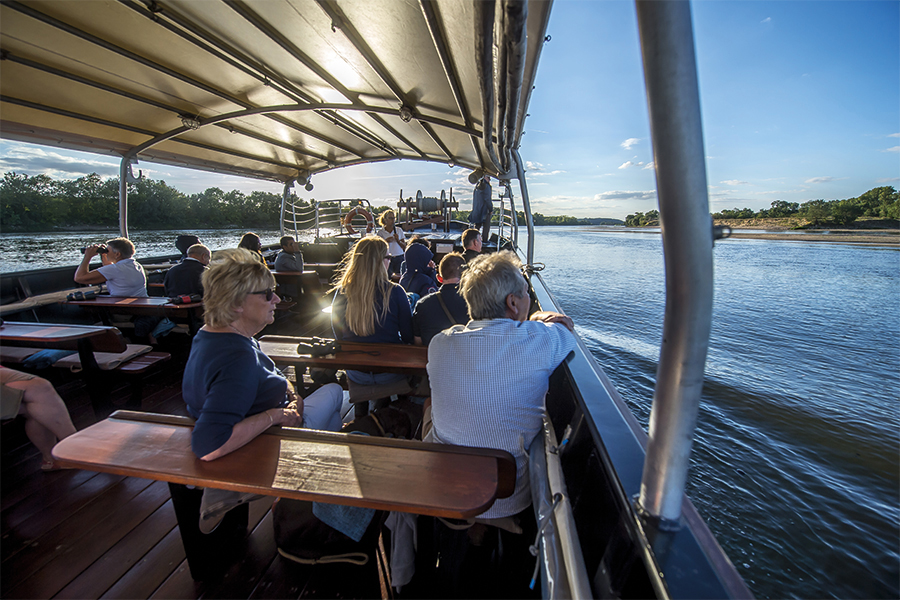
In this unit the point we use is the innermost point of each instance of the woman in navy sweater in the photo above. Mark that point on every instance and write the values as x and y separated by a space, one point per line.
234 390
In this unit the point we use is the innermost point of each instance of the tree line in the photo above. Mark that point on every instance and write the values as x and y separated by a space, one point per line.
40 203
880 202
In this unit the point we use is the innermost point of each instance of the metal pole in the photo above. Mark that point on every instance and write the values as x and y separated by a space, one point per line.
126 176
526 205
670 72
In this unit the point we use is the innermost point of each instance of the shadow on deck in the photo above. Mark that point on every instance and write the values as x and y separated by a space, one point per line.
80 534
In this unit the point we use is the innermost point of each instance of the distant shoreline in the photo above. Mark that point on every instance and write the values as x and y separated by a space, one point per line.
887 238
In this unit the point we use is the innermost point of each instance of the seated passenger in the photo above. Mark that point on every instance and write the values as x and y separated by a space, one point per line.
184 242
123 277
289 259
184 278
419 277
471 241
122 274
444 308
494 399
250 241
46 417
367 307
230 386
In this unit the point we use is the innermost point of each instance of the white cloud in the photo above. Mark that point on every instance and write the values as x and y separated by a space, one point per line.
820 180
626 195
533 166
894 149
545 173
649 165
766 20
627 144
887 180
34 160
626 164
734 182
894 135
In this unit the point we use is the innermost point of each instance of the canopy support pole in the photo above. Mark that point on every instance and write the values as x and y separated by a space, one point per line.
667 46
126 176
526 205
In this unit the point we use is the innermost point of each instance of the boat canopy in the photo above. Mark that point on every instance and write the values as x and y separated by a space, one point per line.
272 90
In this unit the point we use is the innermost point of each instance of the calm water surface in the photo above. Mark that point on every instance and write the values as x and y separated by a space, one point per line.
795 465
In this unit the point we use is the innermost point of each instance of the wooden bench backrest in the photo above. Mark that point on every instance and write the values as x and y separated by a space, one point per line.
386 474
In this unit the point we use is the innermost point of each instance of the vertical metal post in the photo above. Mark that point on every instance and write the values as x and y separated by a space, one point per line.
126 176
667 46
526 205
284 200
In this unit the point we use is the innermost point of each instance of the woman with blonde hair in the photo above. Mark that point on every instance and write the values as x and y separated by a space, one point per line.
367 307
233 390
395 237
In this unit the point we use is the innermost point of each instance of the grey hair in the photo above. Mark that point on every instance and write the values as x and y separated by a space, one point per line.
488 280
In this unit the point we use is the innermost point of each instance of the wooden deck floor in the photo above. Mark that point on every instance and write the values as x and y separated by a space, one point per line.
79 534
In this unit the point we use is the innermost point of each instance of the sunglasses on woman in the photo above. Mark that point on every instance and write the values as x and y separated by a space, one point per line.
269 293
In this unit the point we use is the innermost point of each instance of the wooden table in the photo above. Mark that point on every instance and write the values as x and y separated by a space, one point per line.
87 340
384 474
147 306
49 335
375 358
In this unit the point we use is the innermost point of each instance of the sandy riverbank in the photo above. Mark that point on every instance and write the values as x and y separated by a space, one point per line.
888 238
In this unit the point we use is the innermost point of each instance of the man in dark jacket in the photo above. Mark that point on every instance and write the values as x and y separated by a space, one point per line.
184 278
445 307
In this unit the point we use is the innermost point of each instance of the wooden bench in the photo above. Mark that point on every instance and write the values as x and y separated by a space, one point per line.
86 340
336 468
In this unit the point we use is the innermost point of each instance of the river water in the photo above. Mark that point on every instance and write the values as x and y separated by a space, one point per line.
795 465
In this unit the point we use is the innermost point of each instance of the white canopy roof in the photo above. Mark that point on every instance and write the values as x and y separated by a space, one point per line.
275 89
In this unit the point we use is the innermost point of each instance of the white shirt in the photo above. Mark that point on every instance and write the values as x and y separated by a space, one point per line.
125 278
488 383
394 249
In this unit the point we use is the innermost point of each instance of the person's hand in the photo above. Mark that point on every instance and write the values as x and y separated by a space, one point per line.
91 251
547 316
290 416
432 265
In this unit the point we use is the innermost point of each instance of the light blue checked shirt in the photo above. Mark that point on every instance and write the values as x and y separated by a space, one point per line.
488 383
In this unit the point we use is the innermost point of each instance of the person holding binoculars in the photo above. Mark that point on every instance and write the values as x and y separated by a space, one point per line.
122 275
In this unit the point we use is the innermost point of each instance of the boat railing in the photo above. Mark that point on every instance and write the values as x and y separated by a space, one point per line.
301 218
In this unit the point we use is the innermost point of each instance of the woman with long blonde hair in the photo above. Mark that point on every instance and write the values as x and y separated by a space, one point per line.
367 307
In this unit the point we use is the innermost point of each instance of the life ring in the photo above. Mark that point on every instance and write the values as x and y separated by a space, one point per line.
359 210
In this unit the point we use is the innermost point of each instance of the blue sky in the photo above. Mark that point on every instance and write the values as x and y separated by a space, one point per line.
800 101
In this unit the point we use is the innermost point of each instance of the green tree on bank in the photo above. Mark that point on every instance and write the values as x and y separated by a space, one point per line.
880 202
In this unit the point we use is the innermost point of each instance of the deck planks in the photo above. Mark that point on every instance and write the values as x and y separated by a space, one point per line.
80 534
104 572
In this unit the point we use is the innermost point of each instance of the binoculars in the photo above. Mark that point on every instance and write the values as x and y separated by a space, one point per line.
318 347
81 296
186 299
101 250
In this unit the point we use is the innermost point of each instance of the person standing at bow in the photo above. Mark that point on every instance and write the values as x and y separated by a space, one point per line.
395 237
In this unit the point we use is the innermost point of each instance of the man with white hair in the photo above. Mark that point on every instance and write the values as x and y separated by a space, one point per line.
489 379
